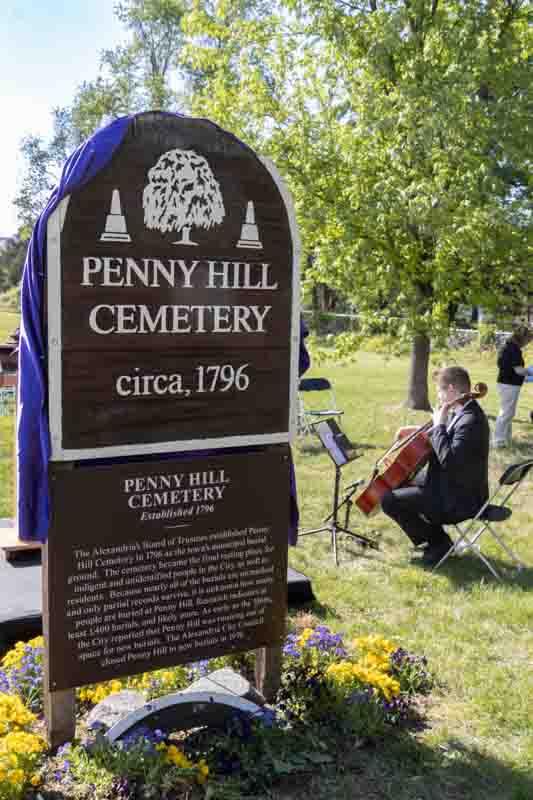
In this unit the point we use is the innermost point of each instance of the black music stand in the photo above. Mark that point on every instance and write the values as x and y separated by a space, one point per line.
341 451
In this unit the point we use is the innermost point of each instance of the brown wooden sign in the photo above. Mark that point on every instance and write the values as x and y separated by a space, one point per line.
152 564
172 294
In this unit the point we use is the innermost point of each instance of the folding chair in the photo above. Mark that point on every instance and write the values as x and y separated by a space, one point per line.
490 513
312 408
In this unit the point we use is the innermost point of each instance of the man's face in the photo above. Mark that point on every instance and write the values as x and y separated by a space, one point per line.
446 393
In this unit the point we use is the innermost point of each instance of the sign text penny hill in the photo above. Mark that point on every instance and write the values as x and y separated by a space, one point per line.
106 319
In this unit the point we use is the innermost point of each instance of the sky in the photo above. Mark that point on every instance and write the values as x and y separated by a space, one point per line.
47 48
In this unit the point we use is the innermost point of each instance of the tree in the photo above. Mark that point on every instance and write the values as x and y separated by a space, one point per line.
43 162
133 77
254 72
12 257
181 193
137 75
394 123
438 102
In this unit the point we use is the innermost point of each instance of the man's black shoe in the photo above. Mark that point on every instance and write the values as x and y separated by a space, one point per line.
433 554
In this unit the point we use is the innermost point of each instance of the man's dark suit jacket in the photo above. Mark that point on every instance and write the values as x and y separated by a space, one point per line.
457 474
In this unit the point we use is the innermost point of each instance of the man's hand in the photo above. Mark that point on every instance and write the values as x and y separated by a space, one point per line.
440 415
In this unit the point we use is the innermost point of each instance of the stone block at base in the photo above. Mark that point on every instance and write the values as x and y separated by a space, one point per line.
115 707
226 680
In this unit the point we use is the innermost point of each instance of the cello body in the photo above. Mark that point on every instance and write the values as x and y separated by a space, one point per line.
398 470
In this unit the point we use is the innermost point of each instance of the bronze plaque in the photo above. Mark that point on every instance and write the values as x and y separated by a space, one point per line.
152 564
171 298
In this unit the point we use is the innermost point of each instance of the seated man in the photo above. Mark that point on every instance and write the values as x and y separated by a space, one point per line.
455 484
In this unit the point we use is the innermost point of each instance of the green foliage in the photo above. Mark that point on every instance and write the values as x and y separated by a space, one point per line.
43 163
251 759
487 335
12 258
135 76
422 220
10 302
392 124
139 761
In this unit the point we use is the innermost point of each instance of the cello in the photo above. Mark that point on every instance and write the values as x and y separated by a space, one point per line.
403 459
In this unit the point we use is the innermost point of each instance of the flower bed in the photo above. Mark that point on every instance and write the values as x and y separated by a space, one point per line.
363 689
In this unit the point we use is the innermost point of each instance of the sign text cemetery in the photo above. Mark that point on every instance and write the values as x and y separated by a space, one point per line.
170 293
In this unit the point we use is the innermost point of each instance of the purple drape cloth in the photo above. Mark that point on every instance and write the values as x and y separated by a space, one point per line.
33 434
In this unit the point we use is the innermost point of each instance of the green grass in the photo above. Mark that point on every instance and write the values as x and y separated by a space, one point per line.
9 321
476 633
7 433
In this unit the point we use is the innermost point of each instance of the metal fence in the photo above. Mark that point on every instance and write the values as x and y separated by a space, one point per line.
327 323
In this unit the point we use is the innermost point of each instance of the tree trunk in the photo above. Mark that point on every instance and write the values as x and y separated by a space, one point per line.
417 393
185 236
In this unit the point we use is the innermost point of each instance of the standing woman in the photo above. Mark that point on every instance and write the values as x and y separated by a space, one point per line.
511 375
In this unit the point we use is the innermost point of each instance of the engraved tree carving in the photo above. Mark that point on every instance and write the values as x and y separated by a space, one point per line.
182 193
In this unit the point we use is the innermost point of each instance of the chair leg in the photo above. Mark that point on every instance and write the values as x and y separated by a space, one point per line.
469 544
488 564
487 526
520 564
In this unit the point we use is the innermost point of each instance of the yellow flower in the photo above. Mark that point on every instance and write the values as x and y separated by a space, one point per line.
35 780
375 644
176 757
373 661
346 674
304 636
17 777
203 772
13 714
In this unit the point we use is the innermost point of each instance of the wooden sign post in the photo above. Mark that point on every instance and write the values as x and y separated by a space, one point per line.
173 327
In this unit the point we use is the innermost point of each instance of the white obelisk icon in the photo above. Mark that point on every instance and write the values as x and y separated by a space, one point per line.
115 224
249 232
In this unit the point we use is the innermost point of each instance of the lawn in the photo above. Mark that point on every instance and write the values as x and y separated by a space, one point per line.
476 633
9 322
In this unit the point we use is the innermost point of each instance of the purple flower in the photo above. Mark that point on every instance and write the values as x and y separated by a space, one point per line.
290 648
323 640
267 716
97 725
4 682
199 669
360 696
